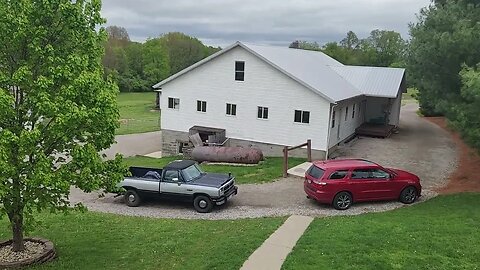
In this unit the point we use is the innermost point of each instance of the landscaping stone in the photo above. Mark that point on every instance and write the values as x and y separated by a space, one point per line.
36 251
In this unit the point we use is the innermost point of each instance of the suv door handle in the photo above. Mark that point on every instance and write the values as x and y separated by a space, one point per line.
189 189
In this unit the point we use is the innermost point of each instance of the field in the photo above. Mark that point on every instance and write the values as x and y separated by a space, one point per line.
137 114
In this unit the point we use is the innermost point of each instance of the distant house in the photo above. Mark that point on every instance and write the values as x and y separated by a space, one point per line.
270 97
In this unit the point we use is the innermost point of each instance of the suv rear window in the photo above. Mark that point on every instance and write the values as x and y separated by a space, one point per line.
315 172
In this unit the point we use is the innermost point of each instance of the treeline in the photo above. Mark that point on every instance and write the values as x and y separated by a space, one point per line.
381 48
137 66
444 63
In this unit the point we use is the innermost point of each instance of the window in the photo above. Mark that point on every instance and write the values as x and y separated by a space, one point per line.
302 117
370 174
201 106
315 172
231 109
170 176
239 71
353 111
262 113
346 113
339 174
380 174
333 119
361 174
173 103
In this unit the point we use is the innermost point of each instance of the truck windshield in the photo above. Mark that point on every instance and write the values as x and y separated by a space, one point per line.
192 172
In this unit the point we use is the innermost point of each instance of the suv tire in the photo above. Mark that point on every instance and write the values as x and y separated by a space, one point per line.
408 195
342 201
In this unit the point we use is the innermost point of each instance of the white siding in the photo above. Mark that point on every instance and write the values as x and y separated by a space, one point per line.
263 86
346 128
395 112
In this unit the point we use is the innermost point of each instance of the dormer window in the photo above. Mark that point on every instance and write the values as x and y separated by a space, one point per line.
239 70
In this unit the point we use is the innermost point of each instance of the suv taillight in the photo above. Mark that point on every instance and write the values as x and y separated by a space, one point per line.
319 182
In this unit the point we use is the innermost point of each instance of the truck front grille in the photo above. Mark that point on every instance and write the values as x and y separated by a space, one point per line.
228 186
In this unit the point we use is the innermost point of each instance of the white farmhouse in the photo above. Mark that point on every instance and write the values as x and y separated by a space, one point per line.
269 97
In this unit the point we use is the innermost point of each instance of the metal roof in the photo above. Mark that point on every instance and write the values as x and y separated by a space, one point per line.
320 73
373 81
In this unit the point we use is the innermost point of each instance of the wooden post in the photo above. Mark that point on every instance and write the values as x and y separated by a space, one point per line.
309 150
285 161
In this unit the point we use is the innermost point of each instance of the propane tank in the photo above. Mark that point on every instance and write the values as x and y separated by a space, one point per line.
227 154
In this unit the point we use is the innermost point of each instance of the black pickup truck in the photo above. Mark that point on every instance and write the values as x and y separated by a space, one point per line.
180 180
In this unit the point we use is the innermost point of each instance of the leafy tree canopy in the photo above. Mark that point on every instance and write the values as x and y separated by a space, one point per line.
56 109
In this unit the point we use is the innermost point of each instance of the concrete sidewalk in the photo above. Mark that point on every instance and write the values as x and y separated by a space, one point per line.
273 252
299 170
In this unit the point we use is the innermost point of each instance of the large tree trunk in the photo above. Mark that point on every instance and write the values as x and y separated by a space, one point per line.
17 229
16 217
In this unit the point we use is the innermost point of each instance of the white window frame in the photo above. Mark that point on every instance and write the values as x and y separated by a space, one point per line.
175 103
203 106
302 114
232 111
262 113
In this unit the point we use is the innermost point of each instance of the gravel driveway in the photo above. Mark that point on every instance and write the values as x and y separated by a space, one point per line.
420 147
135 144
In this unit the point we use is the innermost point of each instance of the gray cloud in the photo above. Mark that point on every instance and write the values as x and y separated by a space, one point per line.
220 23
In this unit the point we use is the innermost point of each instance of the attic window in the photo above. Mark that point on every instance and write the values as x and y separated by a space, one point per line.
239 70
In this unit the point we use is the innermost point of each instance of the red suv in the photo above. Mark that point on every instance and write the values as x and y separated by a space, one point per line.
344 181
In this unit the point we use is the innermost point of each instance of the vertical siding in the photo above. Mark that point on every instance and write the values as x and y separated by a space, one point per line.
264 86
344 129
395 112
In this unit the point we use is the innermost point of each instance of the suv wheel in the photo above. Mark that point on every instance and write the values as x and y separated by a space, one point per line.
408 195
132 198
203 204
342 201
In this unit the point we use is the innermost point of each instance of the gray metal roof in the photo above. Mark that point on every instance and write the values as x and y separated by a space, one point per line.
319 72
373 81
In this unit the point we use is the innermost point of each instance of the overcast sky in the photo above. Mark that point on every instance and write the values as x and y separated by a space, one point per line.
277 22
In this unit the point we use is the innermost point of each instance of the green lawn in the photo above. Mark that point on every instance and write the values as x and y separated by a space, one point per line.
442 233
105 241
410 96
137 114
266 171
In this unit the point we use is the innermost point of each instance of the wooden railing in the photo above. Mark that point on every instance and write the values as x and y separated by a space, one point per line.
308 144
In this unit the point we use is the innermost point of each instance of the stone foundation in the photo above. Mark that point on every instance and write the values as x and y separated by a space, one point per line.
171 142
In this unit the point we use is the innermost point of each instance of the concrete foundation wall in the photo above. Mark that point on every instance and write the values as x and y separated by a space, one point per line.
171 140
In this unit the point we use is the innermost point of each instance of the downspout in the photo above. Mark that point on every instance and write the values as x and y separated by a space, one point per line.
329 128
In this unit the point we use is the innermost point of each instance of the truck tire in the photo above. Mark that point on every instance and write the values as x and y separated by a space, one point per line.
203 204
132 198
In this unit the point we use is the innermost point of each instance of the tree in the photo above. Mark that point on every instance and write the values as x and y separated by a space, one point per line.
351 41
155 60
182 50
446 35
389 46
56 110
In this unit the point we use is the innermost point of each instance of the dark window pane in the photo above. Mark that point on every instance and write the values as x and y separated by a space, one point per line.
338 175
204 106
234 109
346 113
315 172
170 103
228 109
306 117
239 75
199 106
265 113
239 66
298 116
333 119
376 173
259 112
361 174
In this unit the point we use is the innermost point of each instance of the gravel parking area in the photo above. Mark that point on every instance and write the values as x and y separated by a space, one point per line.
421 147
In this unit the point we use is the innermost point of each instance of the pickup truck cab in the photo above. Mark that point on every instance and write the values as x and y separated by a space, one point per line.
182 181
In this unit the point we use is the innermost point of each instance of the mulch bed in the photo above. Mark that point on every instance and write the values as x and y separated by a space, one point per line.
466 177
37 251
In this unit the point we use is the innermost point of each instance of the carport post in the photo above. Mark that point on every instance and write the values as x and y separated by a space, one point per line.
285 161
309 150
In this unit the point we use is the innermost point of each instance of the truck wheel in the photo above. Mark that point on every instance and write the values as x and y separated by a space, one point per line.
203 204
132 198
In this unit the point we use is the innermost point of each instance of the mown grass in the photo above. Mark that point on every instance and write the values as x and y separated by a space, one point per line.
137 114
106 241
267 171
410 96
443 233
